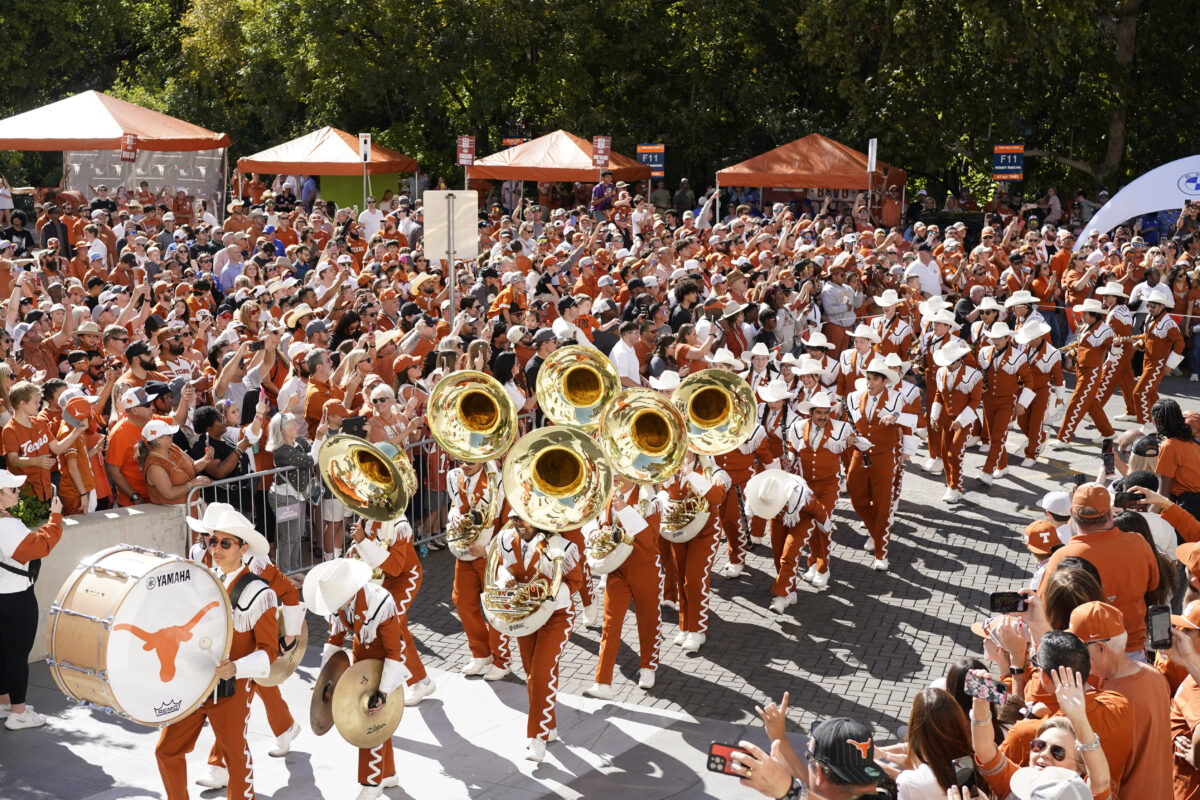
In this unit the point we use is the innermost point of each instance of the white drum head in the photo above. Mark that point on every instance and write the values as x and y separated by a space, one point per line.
167 638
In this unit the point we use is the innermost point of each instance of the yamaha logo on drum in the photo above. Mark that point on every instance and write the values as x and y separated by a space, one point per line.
169 707
168 579
1190 183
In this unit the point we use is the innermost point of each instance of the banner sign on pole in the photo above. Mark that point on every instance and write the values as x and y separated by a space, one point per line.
601 148
513 141
653 156
872 150
364 147
129 147
466 151
1008 162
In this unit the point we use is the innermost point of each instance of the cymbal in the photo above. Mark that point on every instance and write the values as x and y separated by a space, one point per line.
350 698
285 663
320 710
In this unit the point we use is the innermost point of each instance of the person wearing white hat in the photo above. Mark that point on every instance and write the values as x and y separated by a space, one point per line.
232 540
817 347
740 463
894 331
1041 370
852 363
666 382
759 360
880 423
816 444
941 334
170 472
341 590
910 394
1120 356
954 412
726 360
1163 344
809 373
1092 342
989 313
775 493
775 418
1000 363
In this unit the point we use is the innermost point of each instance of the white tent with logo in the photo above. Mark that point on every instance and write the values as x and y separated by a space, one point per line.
1164 187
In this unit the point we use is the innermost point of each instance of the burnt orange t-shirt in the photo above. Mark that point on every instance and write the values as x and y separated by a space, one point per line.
1180 461
30 442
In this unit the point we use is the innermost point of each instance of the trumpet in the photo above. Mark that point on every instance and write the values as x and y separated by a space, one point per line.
521 609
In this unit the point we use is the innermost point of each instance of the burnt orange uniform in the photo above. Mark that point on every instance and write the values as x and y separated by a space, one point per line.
740 464
817 456
874 490
775 423
1090 383
1120 359
1041 370
1001 367
955 399
476 492
693 557
895 335
388 548
1164 352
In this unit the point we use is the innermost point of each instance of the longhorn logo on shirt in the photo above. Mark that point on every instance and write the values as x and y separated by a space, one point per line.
165 642
863 747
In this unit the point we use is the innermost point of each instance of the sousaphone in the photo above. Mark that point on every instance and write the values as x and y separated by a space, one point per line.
575 385
373 481
471 416
557 478
720 410
643 435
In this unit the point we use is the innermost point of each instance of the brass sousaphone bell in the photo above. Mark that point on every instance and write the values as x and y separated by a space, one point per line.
374 481
719 408
557 478
643 435
471 416
575 385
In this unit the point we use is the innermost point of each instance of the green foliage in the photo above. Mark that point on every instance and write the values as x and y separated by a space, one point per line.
30 509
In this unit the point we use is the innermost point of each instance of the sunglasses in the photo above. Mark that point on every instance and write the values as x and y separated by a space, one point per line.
225 544
1057 751
379 401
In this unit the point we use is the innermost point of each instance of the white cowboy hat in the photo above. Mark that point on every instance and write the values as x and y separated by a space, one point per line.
809 366
932 305
817 339
733 309
1049 783
224 518
1092 305
865 332
790 360
768 492
988 304
331 584
1021 298
759 349
880 367
896 363
888 299
951 353
724 356
999 330
1161 296
1112 289
665 382
944 316
774 391
1031 330
818 400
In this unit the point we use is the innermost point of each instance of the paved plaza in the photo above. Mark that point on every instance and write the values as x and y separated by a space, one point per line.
860 649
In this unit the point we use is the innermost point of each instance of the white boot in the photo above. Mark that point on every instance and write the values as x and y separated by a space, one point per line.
952 496
536 751
477 666
1029 462
495 673
418 692
589 615
600 691
646 678
780 604
370 793
934 466
1055 443
693 642
283 742
1125 417
732 570
985 479
820 580
679 637
880 565
217 778
1000 473
808 576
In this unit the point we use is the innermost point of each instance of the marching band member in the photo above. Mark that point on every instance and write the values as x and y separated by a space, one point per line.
878 417
989 314
474 487
940 335
1164 351
388 548
817 444
788 365
759 372
852 363
739 463
775 492
526 552
1000 362
638 580
666 383
775 417
808 376
342 591
817 347
1041 370
1120 357
1022 306
1093 340
255 644
694 547
953 412
894 331
910 395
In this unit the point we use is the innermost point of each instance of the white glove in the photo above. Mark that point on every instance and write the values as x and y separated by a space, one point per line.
1060 392
862 443
1026 398
1174 360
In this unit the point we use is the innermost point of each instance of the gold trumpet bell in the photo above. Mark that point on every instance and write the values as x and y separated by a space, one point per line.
575 384
366 479
643 435
719 408
557 478
471 416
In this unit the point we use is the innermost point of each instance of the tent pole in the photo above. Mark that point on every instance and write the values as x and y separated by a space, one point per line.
450 255
222 211
718 202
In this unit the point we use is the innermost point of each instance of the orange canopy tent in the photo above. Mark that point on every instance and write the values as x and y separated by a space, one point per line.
811 162
557 156
327 151
95 121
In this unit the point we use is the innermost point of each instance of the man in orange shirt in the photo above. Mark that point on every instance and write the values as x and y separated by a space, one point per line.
318 392
120 461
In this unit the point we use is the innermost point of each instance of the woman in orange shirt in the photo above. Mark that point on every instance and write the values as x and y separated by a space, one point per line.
1178 466
689 351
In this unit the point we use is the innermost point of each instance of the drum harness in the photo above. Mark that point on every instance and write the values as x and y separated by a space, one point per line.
227 686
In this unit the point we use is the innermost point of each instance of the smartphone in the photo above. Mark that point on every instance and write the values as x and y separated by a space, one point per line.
1079 480
1109 462
1158 627
987 688
964 772
257 346
1128 499
720 758
1007 602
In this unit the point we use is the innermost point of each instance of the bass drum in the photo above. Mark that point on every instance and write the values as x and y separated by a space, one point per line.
140 633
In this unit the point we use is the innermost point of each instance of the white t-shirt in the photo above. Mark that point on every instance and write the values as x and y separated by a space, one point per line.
919 784
371 221
625 359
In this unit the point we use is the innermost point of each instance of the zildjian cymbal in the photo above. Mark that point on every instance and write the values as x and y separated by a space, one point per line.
320 710
350 698
285 663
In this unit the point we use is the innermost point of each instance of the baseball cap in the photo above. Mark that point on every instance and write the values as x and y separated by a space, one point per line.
314 327
516 333
564 303
409 308
405 361
336 408
137 349
156 428
846 748
1095 621
1190 618
134 398
1091 501
1042 537
1048 783
605 280
1057 503
543 335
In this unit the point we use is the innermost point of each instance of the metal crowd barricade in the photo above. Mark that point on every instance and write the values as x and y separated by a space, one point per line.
292 521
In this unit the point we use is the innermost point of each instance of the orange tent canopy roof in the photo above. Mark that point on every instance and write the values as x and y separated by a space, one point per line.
557 156
327 151
811 162
96 121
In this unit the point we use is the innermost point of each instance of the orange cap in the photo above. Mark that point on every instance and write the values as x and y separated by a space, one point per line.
1041 537
1189 555
1091 501
1094 621
336 409
404 362
1190 618
389 294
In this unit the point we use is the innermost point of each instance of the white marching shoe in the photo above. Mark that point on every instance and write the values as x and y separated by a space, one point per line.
952 496
390 782
869 544
370 793
780 604
880 565
283 742
820 580
808 576
1125 417
645 678
933 466
477 666
589 615
418 692
1000 473
985 478
679 637
600 691
496 673
536 751
693 642
732 570
1055 443
217 778
1029 462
